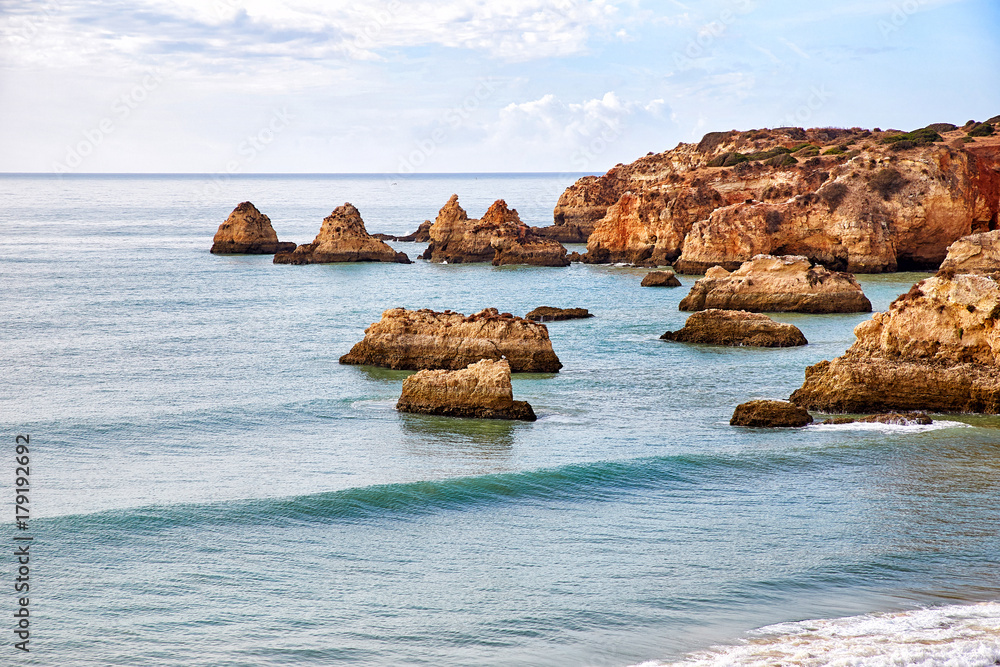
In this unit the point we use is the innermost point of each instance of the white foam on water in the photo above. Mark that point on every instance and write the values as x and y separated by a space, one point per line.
889 428
952 636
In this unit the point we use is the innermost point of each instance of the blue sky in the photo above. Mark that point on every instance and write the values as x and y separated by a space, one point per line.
253 86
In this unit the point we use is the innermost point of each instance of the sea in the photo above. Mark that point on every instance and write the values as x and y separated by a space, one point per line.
209 486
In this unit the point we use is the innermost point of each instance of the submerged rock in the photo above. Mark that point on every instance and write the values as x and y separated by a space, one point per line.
736 328
894 418
482 390
550 314
976 253
425 339
661 279
778 284
342 238
499 237
770 414
937 349
247 231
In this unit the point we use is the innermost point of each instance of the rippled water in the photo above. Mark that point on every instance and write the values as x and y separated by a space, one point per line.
210 487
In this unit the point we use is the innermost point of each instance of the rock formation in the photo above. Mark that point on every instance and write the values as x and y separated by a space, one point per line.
778 284
894 418
660 279
976 253
770 414
736 328
937 348
247 231
422 235
499 237
550 314
482 390
852 200
424 339
342 238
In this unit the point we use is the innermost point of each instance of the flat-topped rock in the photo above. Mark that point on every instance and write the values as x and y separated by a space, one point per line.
893 418
550 314
247 231
425 339
936 349
342 238
976 253
482 390
660 279
778 284
770 414
736 328
499 237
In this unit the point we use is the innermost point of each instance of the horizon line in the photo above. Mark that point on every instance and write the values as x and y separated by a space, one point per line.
224 175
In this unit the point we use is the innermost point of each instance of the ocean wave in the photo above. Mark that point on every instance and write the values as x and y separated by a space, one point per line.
951 636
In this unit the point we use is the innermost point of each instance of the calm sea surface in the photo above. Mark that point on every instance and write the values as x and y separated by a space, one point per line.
210 487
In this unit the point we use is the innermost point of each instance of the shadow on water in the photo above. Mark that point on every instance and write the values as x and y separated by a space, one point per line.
381 375
481 438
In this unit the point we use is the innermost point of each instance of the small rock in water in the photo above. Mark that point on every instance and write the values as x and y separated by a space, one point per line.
770 414
550 314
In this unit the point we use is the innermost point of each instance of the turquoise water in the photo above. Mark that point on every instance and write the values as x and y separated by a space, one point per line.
210 487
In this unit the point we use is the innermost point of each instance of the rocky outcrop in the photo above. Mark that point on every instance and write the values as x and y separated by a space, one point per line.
483 390
342 238
660 279
422 235
499 237
976 253
893 418
247 231
424 339
550 314
851 200
770 414
736 328
937 349
778 284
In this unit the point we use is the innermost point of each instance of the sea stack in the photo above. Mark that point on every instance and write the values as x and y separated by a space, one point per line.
936 349
736 328
778 284
482 390
425 339
342 238
770 414
499 237
247 231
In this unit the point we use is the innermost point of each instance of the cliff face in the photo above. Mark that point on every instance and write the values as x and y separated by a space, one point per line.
778 284
976 253
499 237
247 231
483 390
342 238
843 198
937 348
424 339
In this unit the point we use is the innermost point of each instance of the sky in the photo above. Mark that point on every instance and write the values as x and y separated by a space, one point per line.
414 86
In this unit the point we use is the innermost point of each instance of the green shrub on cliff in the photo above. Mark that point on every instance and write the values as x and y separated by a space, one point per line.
924 135
781 160
981 130
767 155
836 150
887 182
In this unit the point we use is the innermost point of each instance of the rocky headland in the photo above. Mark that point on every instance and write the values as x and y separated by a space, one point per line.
425 339
482 390
849 199
342 238
976 253
550 314
499 237
937 348
660 279
736 328
247 231
770 414
778 284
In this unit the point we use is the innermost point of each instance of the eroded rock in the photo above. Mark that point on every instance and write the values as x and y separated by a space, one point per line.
342 238
976 253
778 284
247 231
550 314
770 414
736 328
660 279
482 390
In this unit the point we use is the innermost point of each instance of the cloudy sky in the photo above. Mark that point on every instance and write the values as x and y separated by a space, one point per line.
250 86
